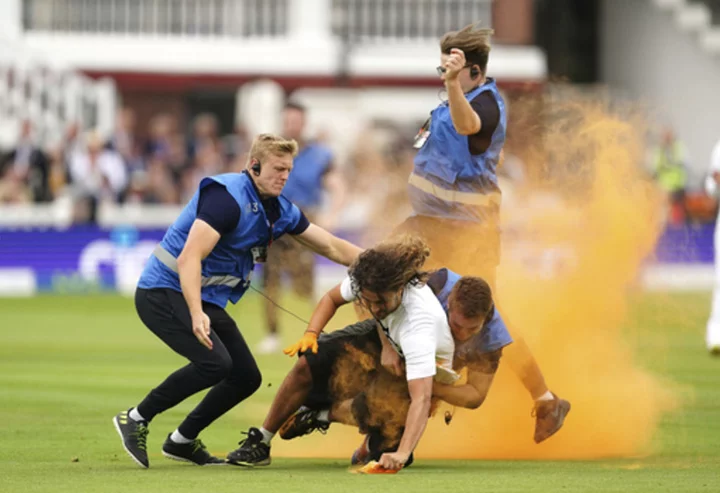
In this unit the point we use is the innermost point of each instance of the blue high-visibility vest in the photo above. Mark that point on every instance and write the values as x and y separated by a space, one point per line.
227 269
447 180
305 184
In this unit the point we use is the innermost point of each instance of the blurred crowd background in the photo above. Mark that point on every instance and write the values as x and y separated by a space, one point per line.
111 111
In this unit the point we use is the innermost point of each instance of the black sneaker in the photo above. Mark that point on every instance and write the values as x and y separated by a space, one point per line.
194 452
302 423
550 416
134 436
252 451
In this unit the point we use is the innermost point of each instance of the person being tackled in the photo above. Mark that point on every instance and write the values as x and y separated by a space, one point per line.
410 325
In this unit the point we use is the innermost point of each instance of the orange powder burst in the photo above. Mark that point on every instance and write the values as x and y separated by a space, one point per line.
574 241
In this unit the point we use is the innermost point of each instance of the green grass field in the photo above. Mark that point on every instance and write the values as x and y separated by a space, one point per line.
68 364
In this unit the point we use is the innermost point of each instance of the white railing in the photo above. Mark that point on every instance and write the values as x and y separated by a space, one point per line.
49 95
201 18
700 18
380 20
359 20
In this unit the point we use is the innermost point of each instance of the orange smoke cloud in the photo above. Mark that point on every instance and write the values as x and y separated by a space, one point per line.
574 241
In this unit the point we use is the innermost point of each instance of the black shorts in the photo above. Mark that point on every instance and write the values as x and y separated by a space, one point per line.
358 343
347 366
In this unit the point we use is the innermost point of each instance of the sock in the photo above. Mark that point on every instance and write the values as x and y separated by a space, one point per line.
135 415
267 436
547 396
178 438
324 415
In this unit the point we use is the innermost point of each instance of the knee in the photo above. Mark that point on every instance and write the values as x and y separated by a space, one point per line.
303 375
252 379
245 375
217 368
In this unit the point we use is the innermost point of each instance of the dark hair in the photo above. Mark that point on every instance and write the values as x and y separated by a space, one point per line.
291 105
473 41
473 296
390 265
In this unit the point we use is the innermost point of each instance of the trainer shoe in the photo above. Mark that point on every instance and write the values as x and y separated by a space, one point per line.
361 456
550 416
302 423
134 437
270 344
252 452
194 452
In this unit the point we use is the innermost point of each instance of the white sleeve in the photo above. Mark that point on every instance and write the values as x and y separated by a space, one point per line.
418 341
711 186
346 290
115 171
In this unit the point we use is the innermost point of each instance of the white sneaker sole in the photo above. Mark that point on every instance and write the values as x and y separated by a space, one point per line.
264 463
122 438
183 459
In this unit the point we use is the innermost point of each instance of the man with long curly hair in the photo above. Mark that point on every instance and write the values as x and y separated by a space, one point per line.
376 402
411 324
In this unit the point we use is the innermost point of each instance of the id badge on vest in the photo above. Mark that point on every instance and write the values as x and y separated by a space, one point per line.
259 254
423 135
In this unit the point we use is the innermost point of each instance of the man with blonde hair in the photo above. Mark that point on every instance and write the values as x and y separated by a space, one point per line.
205 260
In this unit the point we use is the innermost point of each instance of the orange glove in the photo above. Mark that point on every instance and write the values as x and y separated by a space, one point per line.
374 467
308 341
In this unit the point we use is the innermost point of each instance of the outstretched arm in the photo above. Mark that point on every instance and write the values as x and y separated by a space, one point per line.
323 313
470 395
328 245
417 417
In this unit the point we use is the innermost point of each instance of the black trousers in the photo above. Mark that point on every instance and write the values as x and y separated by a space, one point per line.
229 368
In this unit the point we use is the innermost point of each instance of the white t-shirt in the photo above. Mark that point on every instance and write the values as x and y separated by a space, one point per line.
711 186
418 330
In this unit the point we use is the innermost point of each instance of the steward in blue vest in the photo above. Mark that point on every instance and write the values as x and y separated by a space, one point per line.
492 336
454 191
453 188
206 259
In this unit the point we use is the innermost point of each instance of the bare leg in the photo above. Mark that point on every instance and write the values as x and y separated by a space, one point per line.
272 290
272 276
550 410
523 364
291 395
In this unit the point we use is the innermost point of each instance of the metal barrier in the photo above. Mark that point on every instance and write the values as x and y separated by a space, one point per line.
361 20
382 20
202 18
